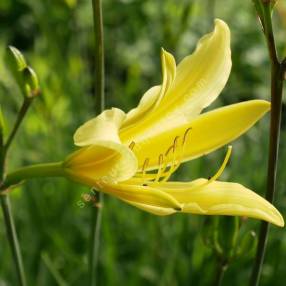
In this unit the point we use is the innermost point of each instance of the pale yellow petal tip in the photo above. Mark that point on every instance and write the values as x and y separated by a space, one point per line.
167 56
220 24
278 220
263 104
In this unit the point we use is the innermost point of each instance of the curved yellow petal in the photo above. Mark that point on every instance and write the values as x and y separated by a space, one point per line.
201 76
207 132
161 211
104 127
104 160
221 198
152 98
138 194
103 154
199 79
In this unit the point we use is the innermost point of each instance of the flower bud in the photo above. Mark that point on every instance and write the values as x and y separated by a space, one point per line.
31 82
15 59
23 74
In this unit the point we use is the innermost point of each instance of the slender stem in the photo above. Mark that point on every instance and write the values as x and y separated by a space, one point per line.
25 106
221 268
277 75
40 170
96 212
5 202
211 7
99 55
96 216
33 171
12 238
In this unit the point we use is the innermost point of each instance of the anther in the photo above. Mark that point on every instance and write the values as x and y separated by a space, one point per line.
145 165
131 145
186 135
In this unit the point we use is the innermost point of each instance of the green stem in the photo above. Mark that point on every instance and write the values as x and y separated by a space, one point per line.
277 77
221 268
99 55
25 106
96 216
33 171
211 7
5 202
96 213
12 238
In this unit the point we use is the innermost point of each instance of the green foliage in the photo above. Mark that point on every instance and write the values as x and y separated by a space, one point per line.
137 248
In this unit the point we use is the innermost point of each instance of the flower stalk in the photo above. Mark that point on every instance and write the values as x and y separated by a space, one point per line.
34 171
221 268
24 108
13 239
28 83
5 201
277 78
96 212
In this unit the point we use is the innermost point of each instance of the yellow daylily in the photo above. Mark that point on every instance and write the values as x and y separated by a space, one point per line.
132 156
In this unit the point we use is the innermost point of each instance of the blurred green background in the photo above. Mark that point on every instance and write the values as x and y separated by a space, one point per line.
56 36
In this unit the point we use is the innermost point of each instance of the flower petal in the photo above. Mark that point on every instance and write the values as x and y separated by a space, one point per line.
207 132
152 98
137 194
103 155
199 79
104 127
221 198
161 211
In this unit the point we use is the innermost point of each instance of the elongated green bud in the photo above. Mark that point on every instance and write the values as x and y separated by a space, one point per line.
23 74
15 59
31 82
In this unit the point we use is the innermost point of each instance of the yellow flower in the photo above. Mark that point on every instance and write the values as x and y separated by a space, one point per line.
132 156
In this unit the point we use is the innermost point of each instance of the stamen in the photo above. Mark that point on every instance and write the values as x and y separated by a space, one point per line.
176 163
186 135
167 166
176 140
160 169
145 165
222 167
131 145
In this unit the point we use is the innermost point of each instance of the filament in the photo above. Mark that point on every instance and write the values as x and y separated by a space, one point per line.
167 165
223 165
161 168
